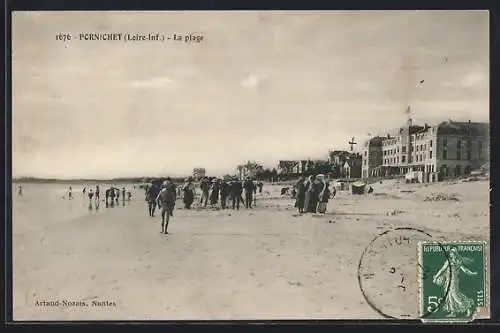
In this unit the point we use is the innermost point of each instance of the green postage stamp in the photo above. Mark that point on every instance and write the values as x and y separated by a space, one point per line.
453 281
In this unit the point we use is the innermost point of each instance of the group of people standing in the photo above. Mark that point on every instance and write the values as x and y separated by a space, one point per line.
91 194
229 193
112 196
312 194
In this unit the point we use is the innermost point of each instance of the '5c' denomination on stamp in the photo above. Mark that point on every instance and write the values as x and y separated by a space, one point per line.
453 286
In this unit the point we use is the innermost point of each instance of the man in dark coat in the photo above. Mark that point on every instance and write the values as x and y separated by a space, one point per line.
235 190
189 193
205 189
250 190
224 192
151 195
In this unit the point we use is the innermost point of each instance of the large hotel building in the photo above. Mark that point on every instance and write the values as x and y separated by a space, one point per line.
449 149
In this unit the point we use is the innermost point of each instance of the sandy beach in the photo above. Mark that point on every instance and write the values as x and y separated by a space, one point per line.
264 263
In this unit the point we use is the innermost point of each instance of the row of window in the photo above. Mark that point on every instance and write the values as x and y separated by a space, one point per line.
423 147
422 136
468 144
416 157
421 157
460 148
420 147
391 151
389 142
391 160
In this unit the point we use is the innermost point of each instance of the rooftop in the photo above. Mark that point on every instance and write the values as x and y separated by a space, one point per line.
463 128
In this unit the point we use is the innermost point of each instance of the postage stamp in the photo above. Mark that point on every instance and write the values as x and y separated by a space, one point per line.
453 286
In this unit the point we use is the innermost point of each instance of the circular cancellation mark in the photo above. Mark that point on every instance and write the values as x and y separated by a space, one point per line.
388 273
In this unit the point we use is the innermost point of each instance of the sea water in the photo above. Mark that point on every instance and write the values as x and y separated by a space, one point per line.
48 205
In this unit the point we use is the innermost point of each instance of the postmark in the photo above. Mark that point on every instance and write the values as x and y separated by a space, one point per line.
460 267
388 273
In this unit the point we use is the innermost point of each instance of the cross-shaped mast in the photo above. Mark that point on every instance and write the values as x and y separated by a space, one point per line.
352 143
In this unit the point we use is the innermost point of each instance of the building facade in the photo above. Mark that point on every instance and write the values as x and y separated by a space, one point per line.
449 149
337 160
294 167
372 157
352 168
243 171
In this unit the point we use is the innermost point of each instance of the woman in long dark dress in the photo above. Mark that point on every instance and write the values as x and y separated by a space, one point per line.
309 189
300 187
315 188
189 192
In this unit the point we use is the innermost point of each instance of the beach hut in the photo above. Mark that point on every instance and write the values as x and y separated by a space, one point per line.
358 188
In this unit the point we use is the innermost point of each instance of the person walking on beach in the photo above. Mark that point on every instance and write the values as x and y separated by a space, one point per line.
70 193
20 191
151 195
189 191
97 193
83 191
300 188
91 195
166 199
205 189
250 190
123 193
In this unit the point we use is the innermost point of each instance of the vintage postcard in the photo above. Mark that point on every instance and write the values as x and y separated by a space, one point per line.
250 165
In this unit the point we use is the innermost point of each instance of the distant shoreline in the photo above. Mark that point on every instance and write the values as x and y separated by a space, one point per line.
133 180
75 181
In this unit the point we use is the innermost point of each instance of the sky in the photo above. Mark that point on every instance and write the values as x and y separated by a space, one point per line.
262 86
